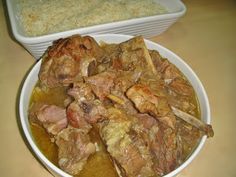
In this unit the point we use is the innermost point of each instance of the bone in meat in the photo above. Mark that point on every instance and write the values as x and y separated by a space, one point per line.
207 129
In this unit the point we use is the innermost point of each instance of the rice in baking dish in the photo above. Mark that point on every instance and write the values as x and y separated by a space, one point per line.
39 17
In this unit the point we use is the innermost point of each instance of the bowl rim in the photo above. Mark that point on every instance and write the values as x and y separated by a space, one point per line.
47 163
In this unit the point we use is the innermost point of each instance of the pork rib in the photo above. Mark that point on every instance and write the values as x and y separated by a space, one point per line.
207 129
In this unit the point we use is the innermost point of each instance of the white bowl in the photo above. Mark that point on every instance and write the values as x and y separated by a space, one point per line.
146 26
32 78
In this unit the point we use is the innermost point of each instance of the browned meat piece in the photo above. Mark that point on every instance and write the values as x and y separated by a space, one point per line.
59 71
125 146
113 51
77 117
165 149
85 107
182 102
147 102
101 83
134 54
122 102
126 79
33 110
82 114
94 111
162 142
81 91
156 59
53 118
67 59
163 66
181 87
77 47
170 71
74 148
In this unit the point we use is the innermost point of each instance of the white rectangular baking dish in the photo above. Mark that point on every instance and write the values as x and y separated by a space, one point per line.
145 26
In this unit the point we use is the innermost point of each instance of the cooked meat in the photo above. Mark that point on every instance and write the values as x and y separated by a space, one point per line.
168 70
182 102
86 107
101 83
88 66
74 148
52 76
141 108
128 149
53 118
187 135
181 87
68 59
162 142
81 91
147 102
77 47
134 54
165 149
77 117
122 101
126 79
205 128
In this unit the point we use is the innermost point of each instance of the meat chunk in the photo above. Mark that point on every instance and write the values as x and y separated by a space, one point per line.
181 87
74 148
77 117
51 117
101 83
76 46
147 102
125 146
81 115
162 142
85 107
60 71
134 54
165 148
182 102
81 91
126 79
68 59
